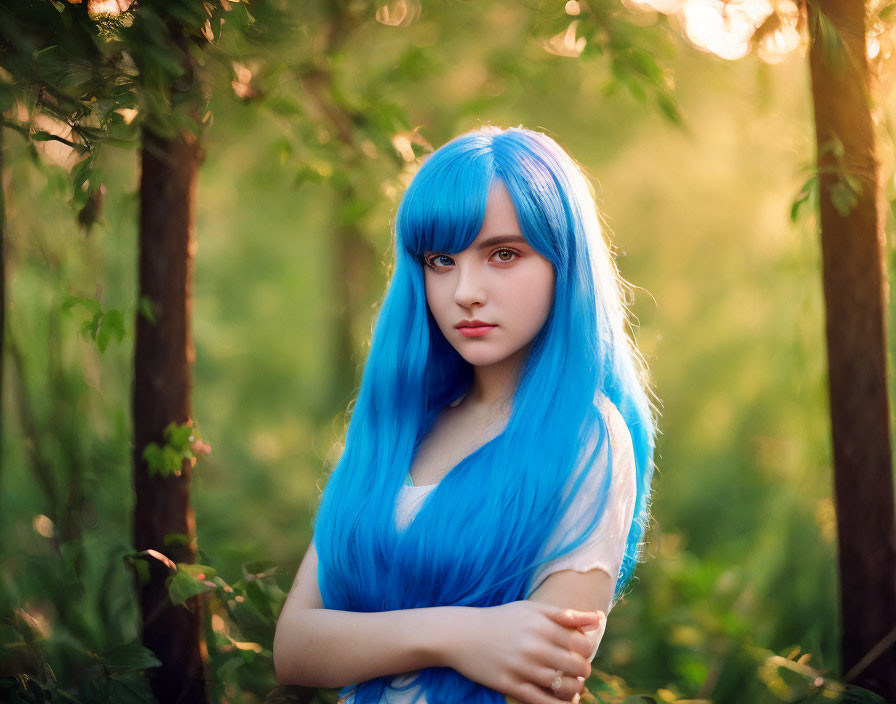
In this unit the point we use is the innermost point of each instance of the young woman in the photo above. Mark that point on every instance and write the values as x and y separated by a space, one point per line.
489 505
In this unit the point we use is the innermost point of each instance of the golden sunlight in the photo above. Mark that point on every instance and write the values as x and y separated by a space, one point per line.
109 8
724 28
774 46
565 43
399 13
730 29
44 525
54 150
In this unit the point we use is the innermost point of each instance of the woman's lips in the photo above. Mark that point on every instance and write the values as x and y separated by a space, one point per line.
477 331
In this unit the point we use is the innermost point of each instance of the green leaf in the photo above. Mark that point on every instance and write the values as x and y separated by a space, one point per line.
152 455
642 62
259 599
90 327
247 654
146 308
178 436
176 539
845 192
669 108
806 192
130 657
832 47
112 325
142 568
81 172
195 569
172 460
70 301
182 586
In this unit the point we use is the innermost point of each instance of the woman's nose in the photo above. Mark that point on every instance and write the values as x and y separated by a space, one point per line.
470 288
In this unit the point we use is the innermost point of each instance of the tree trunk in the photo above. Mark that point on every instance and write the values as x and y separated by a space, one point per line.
161 394
855 293
2 295
354 261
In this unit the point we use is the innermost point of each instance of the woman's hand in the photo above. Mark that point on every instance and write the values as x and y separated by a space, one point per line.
517 648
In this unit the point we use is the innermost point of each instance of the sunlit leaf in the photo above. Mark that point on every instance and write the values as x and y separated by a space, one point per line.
183 586
807 192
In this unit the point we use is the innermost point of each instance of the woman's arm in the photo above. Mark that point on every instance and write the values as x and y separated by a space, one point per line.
583 591
513 648
318 647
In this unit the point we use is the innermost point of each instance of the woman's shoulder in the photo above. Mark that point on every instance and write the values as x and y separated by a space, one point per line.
612 416
619 434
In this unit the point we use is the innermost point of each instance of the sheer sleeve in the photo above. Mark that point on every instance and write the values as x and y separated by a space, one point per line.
605 546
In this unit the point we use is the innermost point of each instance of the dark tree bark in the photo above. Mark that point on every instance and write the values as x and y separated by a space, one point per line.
2 295
855 284
161 394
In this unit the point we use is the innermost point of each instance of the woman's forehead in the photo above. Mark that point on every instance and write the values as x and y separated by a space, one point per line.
500 213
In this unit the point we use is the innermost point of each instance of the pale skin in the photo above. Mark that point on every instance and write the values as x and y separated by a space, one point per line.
515 648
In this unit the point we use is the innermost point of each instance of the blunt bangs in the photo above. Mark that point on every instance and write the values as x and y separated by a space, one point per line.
444 206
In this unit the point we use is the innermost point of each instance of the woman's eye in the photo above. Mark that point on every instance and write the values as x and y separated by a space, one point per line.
506 251
433 261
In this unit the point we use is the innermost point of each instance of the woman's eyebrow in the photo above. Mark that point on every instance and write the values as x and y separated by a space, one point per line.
500 239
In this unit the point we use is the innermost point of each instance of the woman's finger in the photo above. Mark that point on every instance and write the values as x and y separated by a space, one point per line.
568 685
580 621
571 618
571 663
575 641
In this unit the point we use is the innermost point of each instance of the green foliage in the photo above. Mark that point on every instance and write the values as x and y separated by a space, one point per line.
822 29
99 77
68 628
843 190
103 326
190 580
179 442
239 627
808 195
147 309
846 187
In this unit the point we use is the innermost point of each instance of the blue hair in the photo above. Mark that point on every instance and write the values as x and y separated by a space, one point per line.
480 535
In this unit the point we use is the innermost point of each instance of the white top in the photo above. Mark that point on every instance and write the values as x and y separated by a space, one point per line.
603 549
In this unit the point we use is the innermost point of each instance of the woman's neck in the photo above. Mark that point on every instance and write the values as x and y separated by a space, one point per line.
494 385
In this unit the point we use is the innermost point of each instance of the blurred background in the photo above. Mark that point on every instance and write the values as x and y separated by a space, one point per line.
698 143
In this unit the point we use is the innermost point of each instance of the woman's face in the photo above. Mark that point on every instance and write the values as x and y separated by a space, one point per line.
499 280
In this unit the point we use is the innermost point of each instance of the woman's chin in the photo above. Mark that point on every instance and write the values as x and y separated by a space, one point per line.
481 359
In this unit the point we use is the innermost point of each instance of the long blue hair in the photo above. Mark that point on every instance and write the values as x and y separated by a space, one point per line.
480 535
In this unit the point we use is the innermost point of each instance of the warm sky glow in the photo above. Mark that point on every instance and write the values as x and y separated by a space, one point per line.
723 28
726 28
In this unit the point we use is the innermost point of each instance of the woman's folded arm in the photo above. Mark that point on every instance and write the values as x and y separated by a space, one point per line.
318 647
